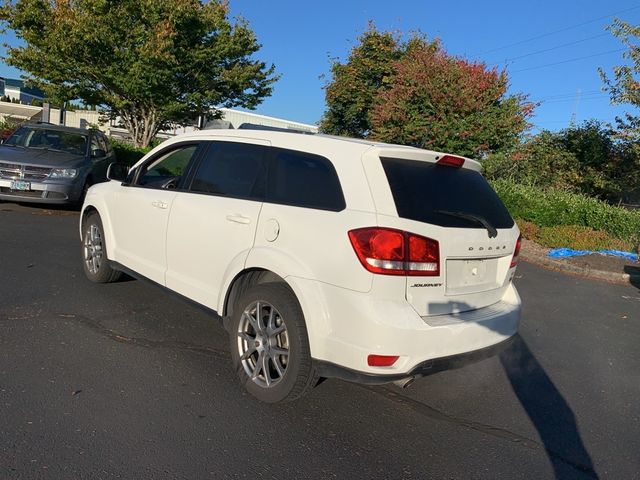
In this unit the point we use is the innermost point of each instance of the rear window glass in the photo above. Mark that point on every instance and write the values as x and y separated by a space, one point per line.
304 180
444 196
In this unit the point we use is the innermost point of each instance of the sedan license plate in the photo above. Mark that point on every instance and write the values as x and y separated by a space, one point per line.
20 185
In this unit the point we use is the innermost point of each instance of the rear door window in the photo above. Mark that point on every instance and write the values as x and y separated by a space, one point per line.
232 170
443 195
304 180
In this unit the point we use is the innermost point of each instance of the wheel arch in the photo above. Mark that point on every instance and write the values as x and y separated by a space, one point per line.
91 209
244 280
307 292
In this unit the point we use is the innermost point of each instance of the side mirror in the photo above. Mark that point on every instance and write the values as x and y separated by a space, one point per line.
117 172
98 153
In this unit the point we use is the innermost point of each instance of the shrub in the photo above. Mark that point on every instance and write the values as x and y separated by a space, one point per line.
542 161
126 153
529 230
592 159
8 125
552 207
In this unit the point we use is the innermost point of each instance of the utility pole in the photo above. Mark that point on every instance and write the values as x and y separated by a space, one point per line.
572 123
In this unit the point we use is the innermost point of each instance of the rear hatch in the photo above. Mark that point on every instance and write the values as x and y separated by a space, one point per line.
446 199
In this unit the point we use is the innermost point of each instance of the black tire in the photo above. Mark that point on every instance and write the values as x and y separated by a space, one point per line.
298 375
94 252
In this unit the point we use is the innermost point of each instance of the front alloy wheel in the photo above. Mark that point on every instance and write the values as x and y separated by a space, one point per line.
94 252
93 249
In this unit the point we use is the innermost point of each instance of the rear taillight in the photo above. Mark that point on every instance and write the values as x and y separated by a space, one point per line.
451 161
394 252
516 252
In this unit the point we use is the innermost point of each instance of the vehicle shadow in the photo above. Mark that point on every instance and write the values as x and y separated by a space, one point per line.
634 275
546 407
39 209
548 410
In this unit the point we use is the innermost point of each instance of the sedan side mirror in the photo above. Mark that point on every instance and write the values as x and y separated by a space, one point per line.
117 172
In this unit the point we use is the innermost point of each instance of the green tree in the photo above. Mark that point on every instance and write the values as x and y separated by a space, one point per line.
624 86
356 83
598 155
589 158
150 62
441 102
412 92
541 161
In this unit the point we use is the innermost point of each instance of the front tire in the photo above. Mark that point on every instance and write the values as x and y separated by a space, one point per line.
269 344
94 252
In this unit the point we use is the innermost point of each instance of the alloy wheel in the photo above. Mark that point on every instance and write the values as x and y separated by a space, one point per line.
93 249
263 344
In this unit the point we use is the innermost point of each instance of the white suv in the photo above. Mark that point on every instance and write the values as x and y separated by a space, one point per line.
326 256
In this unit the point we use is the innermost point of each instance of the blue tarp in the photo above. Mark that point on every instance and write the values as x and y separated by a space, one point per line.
569 252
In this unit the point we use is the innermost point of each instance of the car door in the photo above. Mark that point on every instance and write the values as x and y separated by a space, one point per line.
212 223
104 158
98 157
142 209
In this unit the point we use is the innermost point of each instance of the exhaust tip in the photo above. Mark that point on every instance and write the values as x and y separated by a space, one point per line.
405 382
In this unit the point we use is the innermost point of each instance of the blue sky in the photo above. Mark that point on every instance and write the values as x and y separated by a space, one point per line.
301 37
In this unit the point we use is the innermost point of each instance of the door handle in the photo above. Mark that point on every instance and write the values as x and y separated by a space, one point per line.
239 219
159 204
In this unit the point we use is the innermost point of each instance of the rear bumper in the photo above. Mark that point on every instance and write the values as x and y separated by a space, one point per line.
428 367
345 327
43 192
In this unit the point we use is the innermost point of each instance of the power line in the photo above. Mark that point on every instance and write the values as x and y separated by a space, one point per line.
568 60
600 97
552 48
567 95
559 31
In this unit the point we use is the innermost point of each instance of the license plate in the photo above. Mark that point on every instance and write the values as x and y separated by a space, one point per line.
472 275
19 185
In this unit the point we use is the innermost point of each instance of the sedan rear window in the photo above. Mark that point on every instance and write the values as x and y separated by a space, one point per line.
444 196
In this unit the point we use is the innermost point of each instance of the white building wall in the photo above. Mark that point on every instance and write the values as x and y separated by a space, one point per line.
237 118
78 118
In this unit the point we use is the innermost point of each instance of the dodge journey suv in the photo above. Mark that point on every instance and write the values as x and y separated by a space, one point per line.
48 163
325 256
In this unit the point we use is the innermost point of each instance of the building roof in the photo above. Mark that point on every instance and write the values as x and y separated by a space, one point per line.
20 84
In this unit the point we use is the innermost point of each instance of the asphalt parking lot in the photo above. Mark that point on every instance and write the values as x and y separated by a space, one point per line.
124 381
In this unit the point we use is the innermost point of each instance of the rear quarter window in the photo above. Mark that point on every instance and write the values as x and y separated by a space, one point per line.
422 191
304 180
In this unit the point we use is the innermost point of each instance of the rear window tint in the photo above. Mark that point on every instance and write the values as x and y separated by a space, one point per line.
424 191
304 180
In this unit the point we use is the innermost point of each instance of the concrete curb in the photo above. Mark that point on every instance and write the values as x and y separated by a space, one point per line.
538 256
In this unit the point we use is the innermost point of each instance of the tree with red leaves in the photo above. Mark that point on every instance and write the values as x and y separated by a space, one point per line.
424 97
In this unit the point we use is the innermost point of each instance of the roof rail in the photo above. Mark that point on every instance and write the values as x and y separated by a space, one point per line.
254 126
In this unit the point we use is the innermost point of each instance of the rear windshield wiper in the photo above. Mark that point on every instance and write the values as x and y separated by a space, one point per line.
472 218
